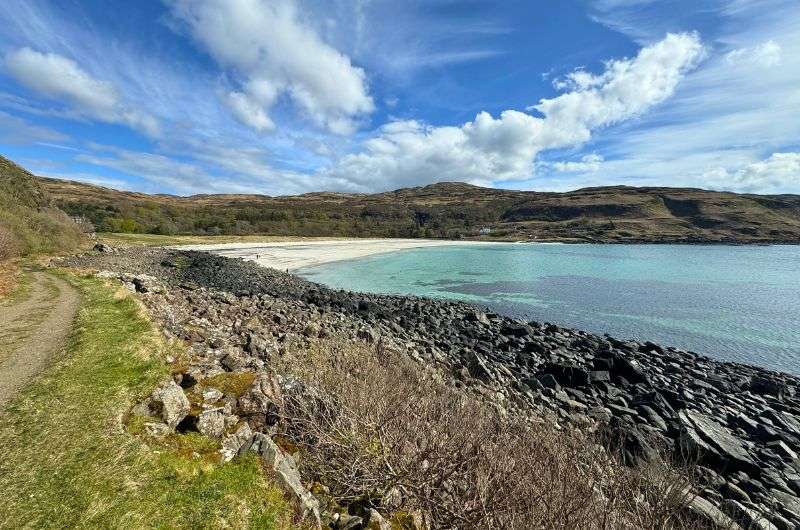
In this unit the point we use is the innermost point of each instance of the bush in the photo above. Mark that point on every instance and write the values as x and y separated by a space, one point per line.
8 246
44 231
377 429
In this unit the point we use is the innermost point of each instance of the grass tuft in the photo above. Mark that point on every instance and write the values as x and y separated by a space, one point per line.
68 462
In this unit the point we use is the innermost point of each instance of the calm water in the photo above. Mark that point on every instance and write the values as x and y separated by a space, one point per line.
732 303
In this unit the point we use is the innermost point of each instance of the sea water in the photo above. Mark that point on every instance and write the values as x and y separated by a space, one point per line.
733 303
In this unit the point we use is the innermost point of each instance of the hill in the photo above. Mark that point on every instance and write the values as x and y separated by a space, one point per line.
29 221
450 210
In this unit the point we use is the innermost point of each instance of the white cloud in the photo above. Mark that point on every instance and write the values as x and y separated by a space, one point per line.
61 78
14 130
766 54
588 164
249 112
780 173
505 148
268 46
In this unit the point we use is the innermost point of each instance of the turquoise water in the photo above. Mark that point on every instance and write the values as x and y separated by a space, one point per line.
731 303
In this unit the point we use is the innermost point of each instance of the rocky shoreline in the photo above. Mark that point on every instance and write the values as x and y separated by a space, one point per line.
741 424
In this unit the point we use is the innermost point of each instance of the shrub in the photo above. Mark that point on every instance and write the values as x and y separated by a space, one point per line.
8 246
44 231
376 428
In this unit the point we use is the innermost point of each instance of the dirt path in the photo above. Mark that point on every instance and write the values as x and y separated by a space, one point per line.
33 329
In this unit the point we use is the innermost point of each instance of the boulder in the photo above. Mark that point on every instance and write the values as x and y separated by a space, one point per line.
171 403
768 386
211 423
233 443
147 284
703 436
288 477
746 516
103 248
262 403
567 375
708 515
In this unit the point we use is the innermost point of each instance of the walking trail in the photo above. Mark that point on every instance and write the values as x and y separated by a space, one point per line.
33 329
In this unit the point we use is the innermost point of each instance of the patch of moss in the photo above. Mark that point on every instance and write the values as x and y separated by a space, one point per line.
230 383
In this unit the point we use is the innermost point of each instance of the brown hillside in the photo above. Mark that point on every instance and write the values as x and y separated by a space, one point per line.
453 210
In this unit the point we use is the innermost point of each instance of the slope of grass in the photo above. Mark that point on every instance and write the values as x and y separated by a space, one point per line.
67 462
29 222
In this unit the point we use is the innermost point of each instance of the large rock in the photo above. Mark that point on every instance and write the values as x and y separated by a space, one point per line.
262 403
705 437
287 475
709 515
211 423
233 443
171 403
748 517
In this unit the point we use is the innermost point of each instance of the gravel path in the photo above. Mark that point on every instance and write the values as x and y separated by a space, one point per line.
32 330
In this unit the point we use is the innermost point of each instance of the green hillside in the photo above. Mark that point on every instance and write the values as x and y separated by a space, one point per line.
29 221
450 210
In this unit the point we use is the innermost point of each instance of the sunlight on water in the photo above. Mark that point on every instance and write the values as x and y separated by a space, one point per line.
734 303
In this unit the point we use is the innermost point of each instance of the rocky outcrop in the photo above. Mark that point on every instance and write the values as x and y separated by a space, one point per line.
740 423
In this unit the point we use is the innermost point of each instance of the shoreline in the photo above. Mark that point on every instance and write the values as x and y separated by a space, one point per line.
293 256
296 255
740 422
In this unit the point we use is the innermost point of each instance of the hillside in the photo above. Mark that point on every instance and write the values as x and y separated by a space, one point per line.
451 210
29 221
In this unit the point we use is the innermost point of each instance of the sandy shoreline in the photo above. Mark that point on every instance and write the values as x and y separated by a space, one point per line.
300 254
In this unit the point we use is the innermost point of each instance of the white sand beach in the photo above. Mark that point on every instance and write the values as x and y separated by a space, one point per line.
298 254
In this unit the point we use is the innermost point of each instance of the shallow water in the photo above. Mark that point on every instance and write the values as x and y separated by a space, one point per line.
734 303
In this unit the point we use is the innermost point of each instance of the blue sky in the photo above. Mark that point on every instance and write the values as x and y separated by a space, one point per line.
290 96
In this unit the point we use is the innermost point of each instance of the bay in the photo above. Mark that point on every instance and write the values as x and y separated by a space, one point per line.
733 303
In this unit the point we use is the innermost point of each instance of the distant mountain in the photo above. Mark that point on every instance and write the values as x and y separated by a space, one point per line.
452 210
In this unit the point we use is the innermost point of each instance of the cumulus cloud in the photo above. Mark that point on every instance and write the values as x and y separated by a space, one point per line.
490 149
61 78
780 173
273 53
765 54
588 164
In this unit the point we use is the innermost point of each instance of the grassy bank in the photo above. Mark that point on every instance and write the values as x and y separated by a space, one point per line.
66 460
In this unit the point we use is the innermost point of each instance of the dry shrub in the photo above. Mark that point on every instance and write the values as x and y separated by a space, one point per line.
370 423
8 245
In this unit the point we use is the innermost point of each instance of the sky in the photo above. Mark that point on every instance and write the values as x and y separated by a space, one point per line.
283 97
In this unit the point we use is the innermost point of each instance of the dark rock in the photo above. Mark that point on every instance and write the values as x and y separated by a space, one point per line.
703 436
599 376
746 516
103 248
768 386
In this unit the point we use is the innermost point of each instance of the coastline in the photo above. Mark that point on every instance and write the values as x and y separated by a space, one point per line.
294 255
738 422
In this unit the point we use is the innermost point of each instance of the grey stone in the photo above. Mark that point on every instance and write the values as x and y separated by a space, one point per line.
746 516
287 475
701 434
232 443
211 423
171 403
708 514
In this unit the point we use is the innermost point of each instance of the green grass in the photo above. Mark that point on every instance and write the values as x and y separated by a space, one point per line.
67 461
20 287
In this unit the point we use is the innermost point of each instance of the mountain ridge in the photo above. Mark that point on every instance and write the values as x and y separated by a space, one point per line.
454 210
